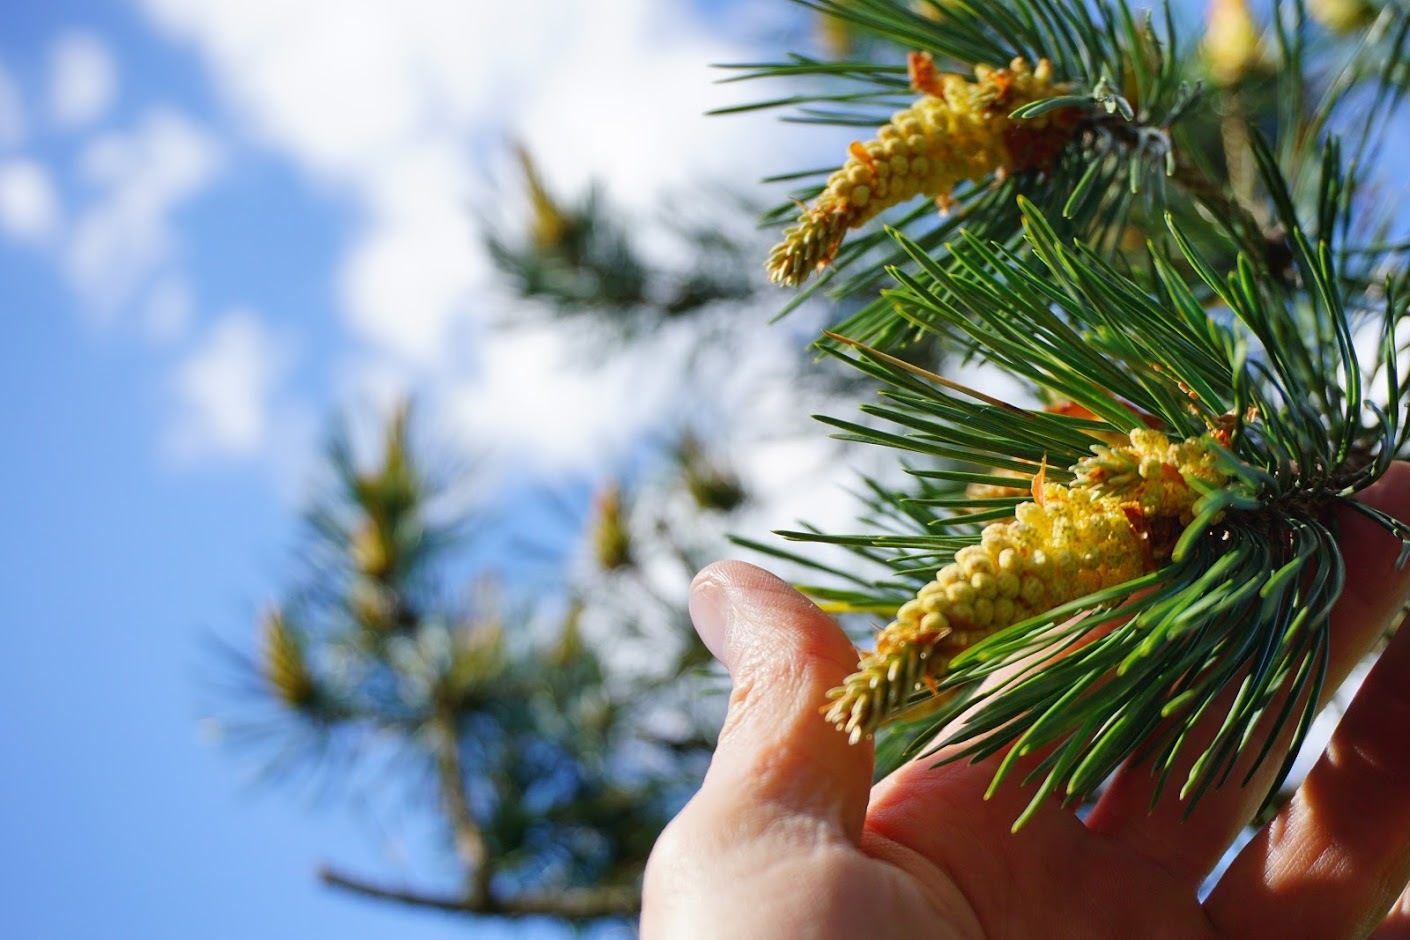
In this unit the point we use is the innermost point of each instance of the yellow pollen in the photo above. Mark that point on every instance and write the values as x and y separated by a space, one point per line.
1071 541
958 131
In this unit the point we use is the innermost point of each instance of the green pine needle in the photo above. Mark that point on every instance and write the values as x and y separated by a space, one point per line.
1241 609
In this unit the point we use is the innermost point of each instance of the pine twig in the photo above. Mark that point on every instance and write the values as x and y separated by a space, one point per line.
1267 244
568 904
469 841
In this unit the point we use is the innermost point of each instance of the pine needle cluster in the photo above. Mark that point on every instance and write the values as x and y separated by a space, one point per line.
1200 291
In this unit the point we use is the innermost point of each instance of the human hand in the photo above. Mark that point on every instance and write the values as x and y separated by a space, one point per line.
787 838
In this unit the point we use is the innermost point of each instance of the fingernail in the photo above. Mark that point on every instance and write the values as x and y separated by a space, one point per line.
709 611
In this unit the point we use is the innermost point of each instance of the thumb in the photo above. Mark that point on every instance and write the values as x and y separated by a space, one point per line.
783 784
776 754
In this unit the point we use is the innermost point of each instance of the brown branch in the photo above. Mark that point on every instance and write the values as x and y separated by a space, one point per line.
577 904
574 904
1238 153
469 841
1215 198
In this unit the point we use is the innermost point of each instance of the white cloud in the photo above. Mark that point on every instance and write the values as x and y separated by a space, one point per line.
338 86
29 207
403 105
82 80
142 177
626 101
405 109
12 115
225 390
406 282
539 401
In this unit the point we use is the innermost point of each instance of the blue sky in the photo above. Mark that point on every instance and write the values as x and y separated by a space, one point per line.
220 224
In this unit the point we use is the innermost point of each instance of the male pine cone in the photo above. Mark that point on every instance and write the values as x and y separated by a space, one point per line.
1119 519
958 130
285 668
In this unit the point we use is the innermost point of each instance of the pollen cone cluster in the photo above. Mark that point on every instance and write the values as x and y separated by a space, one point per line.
1342 16
1116 521
1159 477
959 130
1232 46
284 666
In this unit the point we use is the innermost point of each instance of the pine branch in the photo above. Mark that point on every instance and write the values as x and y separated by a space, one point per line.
469 841
1094 146
574 904
1237 568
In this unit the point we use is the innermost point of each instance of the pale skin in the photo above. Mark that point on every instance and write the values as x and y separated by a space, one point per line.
788 839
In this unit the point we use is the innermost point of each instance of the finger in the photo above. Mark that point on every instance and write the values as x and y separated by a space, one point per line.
1191 845
1333 861
1396 925
941 812
783 784
924 817
944 809
918 803
940 768
776 755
